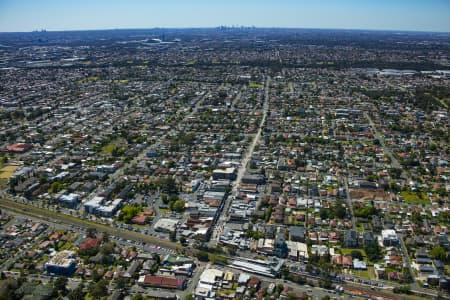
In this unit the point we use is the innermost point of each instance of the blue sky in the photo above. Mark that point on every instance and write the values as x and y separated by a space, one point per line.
28 15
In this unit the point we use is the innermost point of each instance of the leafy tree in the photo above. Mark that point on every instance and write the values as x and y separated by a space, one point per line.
164 198
178 206
100 289
128 212
356 254
91 232
373 251
77 293
56 187
202 255
138 297
439 253
121 283
173 236
406 289
340 212
105 237
156 258
59 285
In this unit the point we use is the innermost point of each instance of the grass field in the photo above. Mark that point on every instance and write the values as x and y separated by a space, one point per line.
119 143
415 198
254 85
7 171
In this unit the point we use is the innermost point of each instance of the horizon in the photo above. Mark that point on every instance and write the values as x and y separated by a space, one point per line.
249 27
382 15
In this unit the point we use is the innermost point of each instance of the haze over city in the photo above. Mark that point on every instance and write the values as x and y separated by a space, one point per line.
411 15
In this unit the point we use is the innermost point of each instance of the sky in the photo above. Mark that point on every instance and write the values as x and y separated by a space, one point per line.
411 15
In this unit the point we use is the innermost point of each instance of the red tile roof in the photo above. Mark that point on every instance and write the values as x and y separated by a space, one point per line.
89 243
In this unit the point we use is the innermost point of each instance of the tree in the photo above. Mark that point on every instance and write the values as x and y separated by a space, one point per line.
59 286
182 240
323 213
100 289
173 236
164 198
202 255
406 289
77 293
156 258
439 253
356 254
121 283
91 232
105 237
138 297
55 187
128 212
373 251
279 288
341 212
178 206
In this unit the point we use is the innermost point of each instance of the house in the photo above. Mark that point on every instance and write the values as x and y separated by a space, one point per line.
89 243
297 233
350 239
141 220
359 264
178 283
389 237
368 238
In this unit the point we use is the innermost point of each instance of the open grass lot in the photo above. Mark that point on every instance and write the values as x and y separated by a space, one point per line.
348 251
255 85
117 144
7 171
415 198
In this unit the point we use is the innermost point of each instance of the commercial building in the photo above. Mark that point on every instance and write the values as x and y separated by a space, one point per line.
62 263
166 225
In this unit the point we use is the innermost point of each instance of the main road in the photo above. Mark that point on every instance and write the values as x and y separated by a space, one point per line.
247 156
52 216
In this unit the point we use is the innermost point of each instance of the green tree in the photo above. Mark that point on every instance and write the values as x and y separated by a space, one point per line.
156 258
178 206
439 253
373 251
59 286
91 232
121 283
100 289
138 297
164 198
202 255
128 212
77 293
173 236
356 254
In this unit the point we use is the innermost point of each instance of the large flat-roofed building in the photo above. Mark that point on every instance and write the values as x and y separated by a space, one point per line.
389 237
162 282
269 268
62 263
166 225
228 173
70 200
92 205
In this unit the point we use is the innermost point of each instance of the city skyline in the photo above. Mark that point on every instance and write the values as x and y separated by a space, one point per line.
400 15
